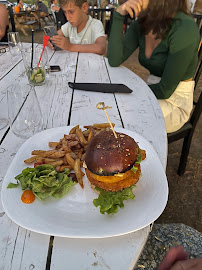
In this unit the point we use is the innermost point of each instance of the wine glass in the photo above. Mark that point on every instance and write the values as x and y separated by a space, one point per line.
24 111
14 43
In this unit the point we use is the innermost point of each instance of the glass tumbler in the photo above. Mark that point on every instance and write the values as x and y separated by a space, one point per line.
35 64
14 43
24 111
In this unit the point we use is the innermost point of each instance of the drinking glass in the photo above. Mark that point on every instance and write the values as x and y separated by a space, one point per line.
35 65
24 111
14 43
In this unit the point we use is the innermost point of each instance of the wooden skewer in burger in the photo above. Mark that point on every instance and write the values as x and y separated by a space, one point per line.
113 167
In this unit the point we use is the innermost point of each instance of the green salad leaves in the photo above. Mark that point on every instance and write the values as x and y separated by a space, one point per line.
110 202
44 181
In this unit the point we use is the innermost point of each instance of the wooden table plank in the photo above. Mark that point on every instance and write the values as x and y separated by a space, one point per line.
91 68
55 97
140 110
107 253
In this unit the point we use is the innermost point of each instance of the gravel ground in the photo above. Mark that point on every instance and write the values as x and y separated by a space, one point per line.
185 192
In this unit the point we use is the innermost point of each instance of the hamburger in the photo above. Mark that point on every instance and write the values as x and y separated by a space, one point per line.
113 168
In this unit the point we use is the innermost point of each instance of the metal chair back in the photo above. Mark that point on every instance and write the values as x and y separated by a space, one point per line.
101 14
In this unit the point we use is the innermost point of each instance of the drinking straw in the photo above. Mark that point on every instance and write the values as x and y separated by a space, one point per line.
101 106
45 43
32 49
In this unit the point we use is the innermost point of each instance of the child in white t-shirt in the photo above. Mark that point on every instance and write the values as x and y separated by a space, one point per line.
81 33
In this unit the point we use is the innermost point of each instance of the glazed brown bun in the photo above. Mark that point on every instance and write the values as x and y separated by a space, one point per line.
109 161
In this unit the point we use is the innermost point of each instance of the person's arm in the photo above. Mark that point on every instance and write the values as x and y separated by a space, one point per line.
121 47
183 48
3 20
64 43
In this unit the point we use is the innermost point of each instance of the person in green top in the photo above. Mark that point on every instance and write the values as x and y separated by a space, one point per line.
168 41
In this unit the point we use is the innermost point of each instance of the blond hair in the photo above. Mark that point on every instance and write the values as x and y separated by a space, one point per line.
78 3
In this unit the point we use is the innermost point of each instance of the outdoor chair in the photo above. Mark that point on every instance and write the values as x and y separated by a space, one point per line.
187 130
21 25
101 14
197 18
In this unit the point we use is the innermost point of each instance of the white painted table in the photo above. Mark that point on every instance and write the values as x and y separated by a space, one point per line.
139 112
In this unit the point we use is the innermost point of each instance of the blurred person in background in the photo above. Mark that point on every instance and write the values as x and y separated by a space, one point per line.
19 6
4 24
198 7
42 8
54 6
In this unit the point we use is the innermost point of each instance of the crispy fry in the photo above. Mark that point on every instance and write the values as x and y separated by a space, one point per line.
90 135
56 163
53 144
38 152
30 160
47 160
81 137
73 143
78 172
57 154
70 160
73 130
103 125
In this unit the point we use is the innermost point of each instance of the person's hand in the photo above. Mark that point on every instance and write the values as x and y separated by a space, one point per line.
130 6
61 42
190 264
177 259
50 45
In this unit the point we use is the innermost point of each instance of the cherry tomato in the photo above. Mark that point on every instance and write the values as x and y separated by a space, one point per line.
36 164
28 196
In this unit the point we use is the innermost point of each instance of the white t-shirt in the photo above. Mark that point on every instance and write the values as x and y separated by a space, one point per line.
93 30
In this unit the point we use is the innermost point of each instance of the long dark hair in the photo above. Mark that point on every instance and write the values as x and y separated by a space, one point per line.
158 15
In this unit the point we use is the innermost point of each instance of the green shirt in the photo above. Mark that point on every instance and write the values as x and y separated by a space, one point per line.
174 59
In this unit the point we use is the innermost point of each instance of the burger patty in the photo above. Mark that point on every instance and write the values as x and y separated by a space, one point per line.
131 179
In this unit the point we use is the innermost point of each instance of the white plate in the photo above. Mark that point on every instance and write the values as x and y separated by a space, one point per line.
75 215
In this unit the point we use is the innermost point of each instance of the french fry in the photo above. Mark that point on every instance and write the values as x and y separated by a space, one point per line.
30 160
73 143
73 130
57 154
56 163
81 137
70 160
90 135
78 172
38 152
53 144
103 125
47 160
74 155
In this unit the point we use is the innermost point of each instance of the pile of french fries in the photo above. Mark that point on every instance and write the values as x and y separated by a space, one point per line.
70 151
